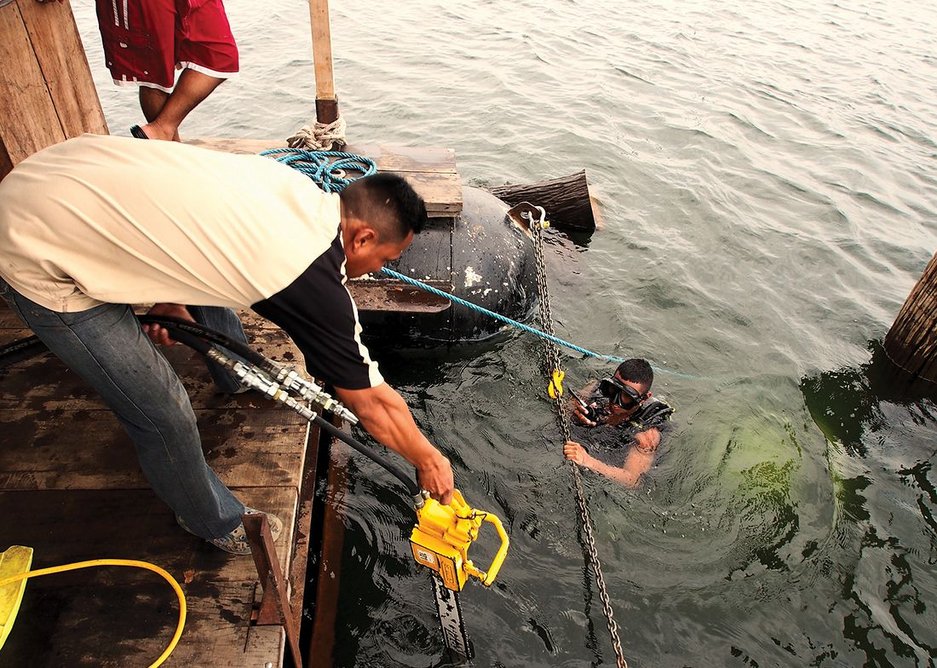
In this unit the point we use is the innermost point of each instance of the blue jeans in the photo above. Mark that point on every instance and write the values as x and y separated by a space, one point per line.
106 346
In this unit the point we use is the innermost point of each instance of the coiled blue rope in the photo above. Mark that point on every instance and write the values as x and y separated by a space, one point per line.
497 316
327 168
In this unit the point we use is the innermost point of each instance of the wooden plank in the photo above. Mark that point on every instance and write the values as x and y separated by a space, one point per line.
59 443
304 513
441 192
133 621
75 525
566 200
397 296
392 158
248 439
121 617
6 163
431 172
64 65
28 120
328 579
322 51
43 382
245 445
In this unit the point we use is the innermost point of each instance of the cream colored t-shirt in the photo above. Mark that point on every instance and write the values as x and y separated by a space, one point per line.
112 219
101 219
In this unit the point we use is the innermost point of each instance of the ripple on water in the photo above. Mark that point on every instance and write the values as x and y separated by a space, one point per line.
766 173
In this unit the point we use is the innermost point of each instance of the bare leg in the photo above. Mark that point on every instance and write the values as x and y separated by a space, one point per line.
152 101
190 90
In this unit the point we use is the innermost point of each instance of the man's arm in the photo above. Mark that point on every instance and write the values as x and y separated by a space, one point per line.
386 416
638 461
640 456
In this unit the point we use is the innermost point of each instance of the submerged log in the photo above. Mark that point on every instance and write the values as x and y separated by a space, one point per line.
566 200
911 343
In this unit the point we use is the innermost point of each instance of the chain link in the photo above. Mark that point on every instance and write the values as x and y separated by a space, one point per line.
552 357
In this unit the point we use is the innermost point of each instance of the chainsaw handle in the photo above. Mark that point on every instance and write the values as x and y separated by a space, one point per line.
487 577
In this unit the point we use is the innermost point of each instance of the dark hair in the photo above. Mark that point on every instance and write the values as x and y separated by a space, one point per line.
636 370
387 202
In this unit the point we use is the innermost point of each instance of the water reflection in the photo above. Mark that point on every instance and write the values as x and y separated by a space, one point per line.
880 431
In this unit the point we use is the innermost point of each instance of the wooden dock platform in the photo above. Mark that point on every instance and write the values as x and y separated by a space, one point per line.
70 488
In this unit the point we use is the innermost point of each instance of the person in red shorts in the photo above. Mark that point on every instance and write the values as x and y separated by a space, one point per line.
146 41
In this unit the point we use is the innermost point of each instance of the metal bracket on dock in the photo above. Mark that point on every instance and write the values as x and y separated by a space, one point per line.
274 608
524 214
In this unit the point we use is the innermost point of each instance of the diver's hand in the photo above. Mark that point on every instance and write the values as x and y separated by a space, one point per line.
575 452
584 415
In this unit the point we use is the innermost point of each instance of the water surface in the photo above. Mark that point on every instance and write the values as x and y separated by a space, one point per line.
766 171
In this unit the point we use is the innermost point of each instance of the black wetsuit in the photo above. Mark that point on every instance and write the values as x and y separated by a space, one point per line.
610 444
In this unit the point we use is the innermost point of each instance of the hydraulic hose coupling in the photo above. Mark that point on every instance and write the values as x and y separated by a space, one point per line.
308 390
442 537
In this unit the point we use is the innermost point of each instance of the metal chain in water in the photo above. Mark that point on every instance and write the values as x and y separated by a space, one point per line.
553 363
546 314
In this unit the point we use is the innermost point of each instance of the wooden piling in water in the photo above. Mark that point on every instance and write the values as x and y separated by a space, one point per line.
48 93
911 343
326 100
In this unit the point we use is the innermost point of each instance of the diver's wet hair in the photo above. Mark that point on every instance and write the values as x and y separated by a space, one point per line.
636 370
387 202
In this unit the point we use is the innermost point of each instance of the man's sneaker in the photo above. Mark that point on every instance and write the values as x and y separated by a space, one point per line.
236 542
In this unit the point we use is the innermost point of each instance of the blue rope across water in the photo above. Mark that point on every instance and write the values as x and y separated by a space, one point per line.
497 316
331 170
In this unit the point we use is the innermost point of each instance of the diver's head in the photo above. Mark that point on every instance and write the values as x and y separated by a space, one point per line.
629 387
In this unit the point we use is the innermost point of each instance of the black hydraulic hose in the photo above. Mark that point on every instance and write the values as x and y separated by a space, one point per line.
21 349
380 459
194 335
30 346
199 338
179 325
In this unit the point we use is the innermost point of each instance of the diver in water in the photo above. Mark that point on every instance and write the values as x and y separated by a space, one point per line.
626 423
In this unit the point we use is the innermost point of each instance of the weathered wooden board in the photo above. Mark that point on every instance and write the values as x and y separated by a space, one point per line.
431 171
43 382
397 296
88 449
123 617
46 90
70 487
64 66
28 119
328 580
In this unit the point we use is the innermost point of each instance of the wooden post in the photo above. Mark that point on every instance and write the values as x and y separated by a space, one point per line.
326 101
911 343
46 91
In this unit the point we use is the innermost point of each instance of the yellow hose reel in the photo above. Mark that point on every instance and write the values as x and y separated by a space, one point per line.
442 537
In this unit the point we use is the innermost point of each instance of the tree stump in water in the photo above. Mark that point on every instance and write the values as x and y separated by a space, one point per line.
566 200
911 343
